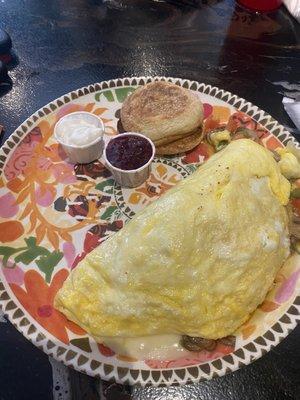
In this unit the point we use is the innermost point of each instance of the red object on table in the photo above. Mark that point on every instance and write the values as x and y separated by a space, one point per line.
261 5
5 58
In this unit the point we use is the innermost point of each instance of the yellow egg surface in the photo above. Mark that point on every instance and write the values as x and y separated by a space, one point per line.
197 261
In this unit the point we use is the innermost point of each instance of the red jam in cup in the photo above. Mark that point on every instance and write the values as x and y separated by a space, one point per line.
129 152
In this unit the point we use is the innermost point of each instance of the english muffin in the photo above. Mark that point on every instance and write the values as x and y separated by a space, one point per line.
169 115
180 145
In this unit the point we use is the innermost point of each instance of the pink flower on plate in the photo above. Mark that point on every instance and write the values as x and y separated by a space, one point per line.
20 157
45 197
43 163
8 206
13 273
63 173
61 153
287 288
69 253
207 110
56 152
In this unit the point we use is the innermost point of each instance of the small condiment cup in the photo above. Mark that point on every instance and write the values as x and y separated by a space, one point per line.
82 154
132 177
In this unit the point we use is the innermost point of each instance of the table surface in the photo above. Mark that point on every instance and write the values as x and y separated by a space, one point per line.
61 45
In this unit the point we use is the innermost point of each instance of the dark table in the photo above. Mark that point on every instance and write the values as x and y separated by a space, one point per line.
61 45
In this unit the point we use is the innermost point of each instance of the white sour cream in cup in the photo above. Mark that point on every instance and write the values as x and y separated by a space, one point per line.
81 136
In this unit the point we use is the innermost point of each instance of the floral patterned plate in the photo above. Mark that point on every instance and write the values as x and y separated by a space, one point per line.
52 213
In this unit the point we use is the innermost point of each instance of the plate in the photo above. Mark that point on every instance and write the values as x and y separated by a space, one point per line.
52 213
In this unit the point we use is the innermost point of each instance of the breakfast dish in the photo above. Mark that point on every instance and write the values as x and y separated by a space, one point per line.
54 213
199 276
168 114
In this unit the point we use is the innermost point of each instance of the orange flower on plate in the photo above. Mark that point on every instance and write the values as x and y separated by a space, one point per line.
37 299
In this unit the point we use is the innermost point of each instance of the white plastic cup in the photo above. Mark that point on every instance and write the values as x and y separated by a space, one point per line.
86 153
132 177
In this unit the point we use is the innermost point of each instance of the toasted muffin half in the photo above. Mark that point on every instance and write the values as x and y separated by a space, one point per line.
169 115
181 145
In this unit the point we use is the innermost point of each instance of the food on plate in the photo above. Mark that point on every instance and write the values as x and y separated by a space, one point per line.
289 158
79 129
219 138
245 133
129 152
169 115
180 145
196 262
129 157
197 343
81 136
289 163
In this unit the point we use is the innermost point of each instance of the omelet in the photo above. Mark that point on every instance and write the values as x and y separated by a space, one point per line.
289 162
198 261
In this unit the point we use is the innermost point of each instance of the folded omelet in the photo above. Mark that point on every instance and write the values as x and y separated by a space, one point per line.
197 261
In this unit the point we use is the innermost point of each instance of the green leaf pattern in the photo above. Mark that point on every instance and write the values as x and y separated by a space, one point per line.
118 94
109 212
45 260
106 186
